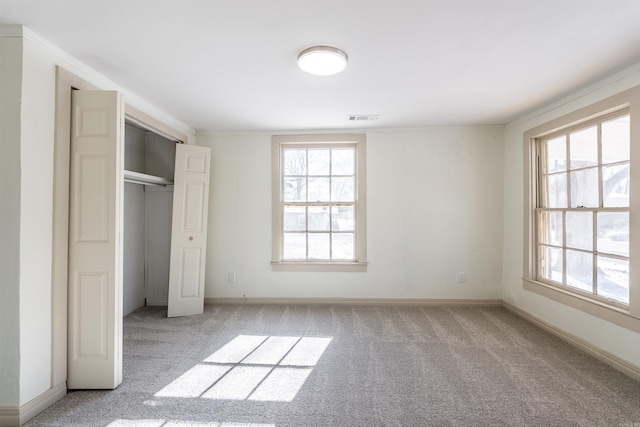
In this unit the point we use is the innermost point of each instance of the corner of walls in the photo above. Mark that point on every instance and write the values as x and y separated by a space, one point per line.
10 111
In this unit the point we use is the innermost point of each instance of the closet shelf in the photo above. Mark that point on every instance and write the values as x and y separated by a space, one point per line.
143 178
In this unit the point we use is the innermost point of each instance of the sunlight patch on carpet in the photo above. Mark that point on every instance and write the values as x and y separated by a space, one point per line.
282 385
252 367
194 382
238 384
236 349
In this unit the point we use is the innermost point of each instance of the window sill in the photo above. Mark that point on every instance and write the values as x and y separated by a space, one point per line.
345 267
619 316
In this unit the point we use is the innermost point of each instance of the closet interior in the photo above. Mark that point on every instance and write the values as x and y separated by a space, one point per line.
149 163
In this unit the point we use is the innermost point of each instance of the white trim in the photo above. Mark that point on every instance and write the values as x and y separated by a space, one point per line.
358 141
345 267
16 416
599 353
586 304
399 302
350 130
157 302
608 81
42 402
630 99
9 416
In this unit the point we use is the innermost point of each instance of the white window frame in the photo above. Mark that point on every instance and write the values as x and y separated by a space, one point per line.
621 314
278 143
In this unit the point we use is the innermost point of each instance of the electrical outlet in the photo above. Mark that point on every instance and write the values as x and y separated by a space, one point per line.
232 277
462 277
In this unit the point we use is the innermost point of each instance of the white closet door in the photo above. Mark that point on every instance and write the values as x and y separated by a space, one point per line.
95 241
189 230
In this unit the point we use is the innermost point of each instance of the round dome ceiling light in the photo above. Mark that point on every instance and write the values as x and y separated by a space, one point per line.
322 60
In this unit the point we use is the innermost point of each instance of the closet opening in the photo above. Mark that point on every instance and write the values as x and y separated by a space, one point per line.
149 163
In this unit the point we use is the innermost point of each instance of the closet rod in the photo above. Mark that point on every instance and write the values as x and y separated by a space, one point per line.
134 181
144 179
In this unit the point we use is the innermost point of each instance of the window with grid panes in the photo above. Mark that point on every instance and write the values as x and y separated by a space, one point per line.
319 191
583 208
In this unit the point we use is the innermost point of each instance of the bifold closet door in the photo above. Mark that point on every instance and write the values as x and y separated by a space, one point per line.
189 230
95 241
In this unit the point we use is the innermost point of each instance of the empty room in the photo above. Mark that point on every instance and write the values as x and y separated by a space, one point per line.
277 213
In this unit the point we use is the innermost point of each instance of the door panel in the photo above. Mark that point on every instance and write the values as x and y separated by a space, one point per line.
95 241
189 230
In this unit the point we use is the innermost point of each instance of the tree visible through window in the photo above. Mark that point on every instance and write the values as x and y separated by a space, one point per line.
583 208
319 216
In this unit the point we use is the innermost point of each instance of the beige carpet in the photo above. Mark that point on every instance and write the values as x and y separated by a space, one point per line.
350 366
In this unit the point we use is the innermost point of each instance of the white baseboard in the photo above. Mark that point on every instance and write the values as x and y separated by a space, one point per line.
16 416
602 355
355 301
157 302
9 416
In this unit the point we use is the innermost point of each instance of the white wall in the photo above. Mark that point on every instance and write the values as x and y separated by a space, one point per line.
11 89
133 248
614 339
134 224
434 209
36 215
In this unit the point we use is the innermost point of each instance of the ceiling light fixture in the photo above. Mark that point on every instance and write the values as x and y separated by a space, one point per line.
322 60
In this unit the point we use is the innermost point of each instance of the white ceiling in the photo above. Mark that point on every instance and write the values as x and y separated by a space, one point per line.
231 64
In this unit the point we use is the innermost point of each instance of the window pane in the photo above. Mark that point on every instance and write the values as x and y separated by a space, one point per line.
319 246
551 263
342 218
319 162
615 185
295 245
551 228
613 279
557 154
584 148
342 246
342 161
318 190
557 191
294 218
580 230
295 189
584 188
580 270
342 189
319 218
295 162
316 201
613 233
616 139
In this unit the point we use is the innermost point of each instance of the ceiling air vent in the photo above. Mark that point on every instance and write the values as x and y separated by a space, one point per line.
363 117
